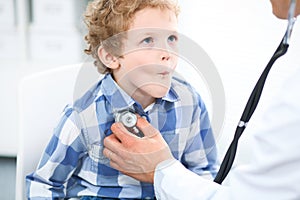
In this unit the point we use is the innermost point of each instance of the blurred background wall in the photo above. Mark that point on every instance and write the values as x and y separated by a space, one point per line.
239 36
35 35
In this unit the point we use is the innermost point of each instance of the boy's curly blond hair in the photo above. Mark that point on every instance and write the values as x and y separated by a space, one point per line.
107 18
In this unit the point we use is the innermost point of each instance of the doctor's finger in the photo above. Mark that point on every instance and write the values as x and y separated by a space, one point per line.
120 163
115 161
146 127
110 154
113 144
123 134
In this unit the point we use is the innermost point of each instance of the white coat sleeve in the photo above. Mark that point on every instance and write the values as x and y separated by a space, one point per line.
172 181
273 168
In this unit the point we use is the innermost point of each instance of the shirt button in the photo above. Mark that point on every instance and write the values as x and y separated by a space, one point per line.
148 198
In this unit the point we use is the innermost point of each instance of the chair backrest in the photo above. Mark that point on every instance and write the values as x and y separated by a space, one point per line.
42 98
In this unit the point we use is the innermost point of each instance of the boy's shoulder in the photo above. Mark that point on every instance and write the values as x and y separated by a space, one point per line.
87 98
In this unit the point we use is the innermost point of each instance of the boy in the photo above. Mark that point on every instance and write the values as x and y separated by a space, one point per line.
135 43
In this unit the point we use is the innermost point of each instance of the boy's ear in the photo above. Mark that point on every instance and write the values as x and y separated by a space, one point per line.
107 58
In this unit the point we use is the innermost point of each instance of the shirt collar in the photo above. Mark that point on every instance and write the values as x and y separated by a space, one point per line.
172 95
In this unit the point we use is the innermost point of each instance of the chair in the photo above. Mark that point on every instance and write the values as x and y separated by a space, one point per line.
42 98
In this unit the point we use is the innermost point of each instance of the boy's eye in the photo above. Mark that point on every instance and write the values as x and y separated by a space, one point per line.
172 38
148 40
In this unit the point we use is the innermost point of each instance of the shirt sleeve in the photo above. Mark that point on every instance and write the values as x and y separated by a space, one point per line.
59 160
200 154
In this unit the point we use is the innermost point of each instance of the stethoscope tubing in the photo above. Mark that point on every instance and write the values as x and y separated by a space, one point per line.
254 98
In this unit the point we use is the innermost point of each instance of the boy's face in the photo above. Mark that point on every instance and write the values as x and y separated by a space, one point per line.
150 55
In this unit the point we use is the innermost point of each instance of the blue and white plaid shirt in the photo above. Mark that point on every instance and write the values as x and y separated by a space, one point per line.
73 164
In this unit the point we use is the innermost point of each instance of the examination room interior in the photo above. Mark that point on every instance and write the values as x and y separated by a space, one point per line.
239 37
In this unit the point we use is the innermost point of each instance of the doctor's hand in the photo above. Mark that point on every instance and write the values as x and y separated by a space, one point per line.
134 156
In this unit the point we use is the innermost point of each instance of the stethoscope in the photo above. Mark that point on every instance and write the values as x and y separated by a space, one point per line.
255 96
129 119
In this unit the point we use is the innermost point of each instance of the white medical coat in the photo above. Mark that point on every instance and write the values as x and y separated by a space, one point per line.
273 171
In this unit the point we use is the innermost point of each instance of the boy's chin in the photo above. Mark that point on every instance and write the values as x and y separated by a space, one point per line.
158 91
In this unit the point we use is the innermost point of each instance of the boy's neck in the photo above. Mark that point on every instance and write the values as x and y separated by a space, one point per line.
144 100
138 95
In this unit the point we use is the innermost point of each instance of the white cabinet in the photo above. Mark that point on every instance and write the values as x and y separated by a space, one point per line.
65 46
56 13
9 38
56 30
9 44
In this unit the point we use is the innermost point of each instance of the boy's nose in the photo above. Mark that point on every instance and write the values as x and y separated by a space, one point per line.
165 55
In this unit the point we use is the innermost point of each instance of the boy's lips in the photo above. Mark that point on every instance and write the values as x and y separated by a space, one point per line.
164 73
